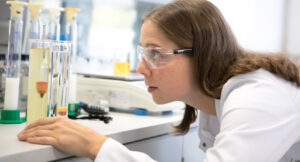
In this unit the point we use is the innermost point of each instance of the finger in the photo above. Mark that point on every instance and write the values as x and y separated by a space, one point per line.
42 127
43 121
43 140
50 127
38 133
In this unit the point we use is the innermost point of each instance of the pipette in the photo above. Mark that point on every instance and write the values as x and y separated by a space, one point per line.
42 84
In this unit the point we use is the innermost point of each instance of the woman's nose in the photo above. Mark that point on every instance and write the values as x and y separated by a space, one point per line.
143 68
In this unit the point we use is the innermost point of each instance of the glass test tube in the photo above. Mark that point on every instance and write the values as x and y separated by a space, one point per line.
37 105
61 50
14 56
71 35
34 32
53 34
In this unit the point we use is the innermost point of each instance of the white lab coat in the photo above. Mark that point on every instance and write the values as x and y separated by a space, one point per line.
248 127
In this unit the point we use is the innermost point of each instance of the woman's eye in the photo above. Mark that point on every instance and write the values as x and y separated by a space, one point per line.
155 54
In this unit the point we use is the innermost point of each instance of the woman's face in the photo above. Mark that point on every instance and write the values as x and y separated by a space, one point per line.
170 82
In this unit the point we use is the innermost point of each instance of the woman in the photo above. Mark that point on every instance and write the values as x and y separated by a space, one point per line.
249 103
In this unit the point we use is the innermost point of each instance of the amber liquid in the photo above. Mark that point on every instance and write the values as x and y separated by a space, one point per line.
62 111
37 105
121 68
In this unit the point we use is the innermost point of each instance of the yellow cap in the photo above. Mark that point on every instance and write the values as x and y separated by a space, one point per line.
71 14
35 9
16 8
54 13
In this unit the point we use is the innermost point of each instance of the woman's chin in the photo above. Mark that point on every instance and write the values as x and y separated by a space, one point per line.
160 101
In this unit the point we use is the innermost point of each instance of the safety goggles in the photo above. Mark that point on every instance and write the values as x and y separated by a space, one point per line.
158 57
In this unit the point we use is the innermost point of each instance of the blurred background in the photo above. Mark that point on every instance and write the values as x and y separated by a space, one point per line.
109 30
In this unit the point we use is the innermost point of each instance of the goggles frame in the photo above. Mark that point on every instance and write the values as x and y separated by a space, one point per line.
162 52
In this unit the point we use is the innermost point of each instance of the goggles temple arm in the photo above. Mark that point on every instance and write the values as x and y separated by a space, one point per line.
183 51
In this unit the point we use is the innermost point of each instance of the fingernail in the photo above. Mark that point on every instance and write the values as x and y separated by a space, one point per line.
20 135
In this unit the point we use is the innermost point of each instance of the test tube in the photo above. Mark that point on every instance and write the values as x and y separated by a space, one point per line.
11 113
62 50
53 34
34 32
39 60
71 35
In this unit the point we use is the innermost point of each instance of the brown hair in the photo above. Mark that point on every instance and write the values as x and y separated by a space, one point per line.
199 25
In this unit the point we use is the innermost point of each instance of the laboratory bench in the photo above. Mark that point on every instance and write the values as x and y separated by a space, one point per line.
147 134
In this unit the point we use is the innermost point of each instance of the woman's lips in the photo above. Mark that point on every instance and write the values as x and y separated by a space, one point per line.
151 89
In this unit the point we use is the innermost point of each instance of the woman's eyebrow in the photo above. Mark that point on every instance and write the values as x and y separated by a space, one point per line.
152 45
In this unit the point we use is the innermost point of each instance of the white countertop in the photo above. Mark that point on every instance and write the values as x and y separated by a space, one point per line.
124 128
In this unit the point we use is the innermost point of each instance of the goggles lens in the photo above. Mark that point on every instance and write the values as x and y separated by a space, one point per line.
157 57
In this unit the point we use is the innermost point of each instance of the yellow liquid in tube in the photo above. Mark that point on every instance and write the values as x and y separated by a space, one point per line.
37 105
62 111
121 68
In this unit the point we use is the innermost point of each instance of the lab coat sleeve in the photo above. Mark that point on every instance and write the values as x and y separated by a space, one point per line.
113 151
257 124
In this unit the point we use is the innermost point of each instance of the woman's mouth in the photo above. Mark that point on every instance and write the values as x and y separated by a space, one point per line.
151 89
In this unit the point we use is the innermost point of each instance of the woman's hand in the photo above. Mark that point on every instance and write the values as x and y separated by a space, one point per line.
64 134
